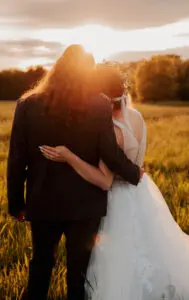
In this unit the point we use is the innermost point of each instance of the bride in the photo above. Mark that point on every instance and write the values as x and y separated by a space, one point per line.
141 253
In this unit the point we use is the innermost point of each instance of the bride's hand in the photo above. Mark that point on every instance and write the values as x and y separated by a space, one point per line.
58 154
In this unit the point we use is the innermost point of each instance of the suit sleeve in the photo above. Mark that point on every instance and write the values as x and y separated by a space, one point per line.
17 162
111 153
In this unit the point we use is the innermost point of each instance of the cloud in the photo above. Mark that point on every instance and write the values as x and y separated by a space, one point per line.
128 56
114 13
31 48
23 53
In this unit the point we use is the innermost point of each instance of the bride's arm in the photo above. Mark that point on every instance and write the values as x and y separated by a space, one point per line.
101 176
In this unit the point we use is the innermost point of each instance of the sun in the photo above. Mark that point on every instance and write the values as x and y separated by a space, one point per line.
103 42
96 39
100 40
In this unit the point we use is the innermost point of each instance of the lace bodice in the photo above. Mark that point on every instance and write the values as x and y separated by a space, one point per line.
134 136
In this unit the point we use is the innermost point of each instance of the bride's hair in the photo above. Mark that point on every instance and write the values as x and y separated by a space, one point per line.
111 83
69 80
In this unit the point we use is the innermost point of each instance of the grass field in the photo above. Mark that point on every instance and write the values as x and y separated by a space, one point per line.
167 160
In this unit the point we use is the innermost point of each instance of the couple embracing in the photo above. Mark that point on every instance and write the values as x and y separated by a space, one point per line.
79 147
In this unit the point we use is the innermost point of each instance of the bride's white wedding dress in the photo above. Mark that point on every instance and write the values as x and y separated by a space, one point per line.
141 253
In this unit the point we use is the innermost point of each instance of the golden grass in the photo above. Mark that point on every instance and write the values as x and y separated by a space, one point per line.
167 161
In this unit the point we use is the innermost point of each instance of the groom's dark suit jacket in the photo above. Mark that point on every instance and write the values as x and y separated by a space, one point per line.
54 191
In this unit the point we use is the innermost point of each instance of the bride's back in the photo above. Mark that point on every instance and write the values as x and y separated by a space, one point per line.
131 135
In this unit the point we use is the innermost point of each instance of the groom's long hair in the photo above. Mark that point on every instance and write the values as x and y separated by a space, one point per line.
68 82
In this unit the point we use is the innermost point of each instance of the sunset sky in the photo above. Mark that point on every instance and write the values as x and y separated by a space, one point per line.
37 31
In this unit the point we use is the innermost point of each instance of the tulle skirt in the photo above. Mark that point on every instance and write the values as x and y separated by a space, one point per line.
141 253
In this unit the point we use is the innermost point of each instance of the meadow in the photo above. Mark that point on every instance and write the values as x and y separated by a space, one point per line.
167 161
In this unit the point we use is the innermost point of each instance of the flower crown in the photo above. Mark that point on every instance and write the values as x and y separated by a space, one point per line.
116 99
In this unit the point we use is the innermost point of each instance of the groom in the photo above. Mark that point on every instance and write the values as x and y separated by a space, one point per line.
61 111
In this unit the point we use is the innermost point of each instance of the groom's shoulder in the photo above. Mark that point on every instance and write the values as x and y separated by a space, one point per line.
28 106
29 102
31 99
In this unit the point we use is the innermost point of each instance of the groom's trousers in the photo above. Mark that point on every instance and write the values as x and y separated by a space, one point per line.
80 237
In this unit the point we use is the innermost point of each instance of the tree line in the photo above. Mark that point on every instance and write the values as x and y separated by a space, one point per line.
14 82
161 78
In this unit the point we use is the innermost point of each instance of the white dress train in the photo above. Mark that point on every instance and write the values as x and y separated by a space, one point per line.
141 253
